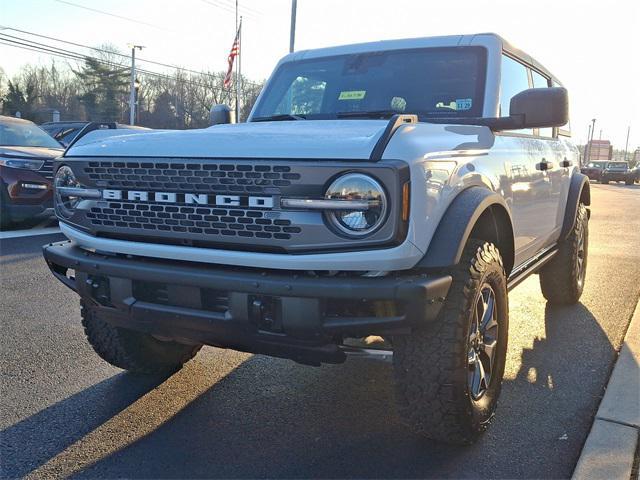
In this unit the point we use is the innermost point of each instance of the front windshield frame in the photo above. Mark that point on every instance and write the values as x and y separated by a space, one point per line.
41 139
265 107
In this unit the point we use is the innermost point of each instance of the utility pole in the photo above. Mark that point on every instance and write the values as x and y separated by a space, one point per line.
593 129
132 95
626 145
586 147
292 34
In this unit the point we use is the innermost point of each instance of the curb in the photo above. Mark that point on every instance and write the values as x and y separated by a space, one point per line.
611 445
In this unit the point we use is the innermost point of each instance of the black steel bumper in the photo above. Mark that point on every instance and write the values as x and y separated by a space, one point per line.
276 313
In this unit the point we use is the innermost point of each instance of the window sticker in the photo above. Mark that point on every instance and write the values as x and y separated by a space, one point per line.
352 95
463 103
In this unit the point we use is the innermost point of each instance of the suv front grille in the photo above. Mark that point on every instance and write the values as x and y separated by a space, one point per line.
202 176
194 220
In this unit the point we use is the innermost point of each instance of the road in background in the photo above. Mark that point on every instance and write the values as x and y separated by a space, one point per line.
229 414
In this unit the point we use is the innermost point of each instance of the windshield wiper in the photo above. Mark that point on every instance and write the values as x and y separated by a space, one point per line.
276 118
369 114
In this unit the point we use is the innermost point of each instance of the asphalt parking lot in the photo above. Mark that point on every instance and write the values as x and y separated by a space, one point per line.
229 415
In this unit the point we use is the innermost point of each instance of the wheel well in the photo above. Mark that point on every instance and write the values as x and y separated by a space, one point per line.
494 225
585 194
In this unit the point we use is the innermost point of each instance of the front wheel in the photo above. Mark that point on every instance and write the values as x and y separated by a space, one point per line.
562 279
134 351
449 372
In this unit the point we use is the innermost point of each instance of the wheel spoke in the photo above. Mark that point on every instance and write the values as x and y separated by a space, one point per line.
488 319
489 348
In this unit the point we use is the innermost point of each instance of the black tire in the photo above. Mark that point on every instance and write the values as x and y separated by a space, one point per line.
628 182
5 215
562 279
604 180
134 351
432 365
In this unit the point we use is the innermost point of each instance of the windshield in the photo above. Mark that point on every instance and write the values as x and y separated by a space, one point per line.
617 166
18 134
432 82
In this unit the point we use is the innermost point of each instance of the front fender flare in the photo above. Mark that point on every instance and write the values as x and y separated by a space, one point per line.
457 224
579 192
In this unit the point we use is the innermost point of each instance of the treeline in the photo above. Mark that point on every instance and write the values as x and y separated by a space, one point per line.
98 89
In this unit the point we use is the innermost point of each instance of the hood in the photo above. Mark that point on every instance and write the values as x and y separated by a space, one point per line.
305 139
42 153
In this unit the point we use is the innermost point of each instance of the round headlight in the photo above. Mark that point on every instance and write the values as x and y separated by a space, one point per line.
358 188
65 204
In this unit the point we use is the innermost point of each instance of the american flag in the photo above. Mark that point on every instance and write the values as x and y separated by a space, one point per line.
235 51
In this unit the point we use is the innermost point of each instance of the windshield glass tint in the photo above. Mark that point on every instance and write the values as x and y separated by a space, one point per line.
443 82
25 135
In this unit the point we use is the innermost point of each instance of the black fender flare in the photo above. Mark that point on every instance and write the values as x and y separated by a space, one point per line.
457 224
579 192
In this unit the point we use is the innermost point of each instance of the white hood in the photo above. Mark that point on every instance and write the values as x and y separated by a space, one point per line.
306 139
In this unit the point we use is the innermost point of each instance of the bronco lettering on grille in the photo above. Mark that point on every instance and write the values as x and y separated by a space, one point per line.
189 198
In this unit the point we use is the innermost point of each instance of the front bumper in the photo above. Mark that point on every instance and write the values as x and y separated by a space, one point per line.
284 314
616 176
27 193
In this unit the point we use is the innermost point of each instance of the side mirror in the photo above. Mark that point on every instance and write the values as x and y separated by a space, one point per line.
540 107
219 114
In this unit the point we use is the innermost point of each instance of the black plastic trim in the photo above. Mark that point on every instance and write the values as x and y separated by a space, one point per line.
579 184
394 123
456 225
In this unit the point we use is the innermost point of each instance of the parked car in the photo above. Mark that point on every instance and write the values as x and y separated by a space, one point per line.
26 166
617 172
636 174
593 170
381 200
65 132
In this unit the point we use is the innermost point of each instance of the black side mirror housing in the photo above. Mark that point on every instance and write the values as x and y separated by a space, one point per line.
219 114
540 107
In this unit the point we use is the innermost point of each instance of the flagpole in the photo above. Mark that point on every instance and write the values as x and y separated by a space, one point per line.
237 107
238 93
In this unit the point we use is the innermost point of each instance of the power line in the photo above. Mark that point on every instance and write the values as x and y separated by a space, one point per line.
100 50
121 17
228 8
81 57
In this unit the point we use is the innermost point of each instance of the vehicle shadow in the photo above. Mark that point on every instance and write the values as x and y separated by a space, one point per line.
33 441
273 418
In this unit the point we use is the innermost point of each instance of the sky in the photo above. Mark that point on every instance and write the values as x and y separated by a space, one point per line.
593 47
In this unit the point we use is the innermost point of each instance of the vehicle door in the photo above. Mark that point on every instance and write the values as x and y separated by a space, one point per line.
526 159
560 160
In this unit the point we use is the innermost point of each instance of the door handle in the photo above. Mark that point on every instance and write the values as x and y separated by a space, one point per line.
566 163
544 165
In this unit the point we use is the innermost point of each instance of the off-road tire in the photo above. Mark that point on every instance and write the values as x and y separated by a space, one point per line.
431 365
560 280
134 351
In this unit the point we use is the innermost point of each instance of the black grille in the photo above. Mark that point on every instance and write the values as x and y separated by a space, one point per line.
191 177
181 219
47 169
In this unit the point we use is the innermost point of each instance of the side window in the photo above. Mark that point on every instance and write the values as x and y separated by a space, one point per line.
303 97
514 79
541 82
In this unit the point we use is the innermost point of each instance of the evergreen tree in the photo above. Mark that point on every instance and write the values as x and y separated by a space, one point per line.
106 88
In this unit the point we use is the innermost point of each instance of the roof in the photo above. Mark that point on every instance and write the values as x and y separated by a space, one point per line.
486 39
6 119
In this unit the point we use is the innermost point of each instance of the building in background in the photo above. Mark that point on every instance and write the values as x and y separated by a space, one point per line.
599 150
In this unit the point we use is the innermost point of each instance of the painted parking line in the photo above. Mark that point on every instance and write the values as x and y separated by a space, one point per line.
29 232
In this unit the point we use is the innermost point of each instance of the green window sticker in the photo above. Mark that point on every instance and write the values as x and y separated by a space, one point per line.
352 95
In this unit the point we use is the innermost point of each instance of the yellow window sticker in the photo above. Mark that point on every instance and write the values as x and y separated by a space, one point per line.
352 95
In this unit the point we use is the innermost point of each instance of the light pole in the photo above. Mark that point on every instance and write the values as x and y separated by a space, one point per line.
132 94
593 129
292 33
626 144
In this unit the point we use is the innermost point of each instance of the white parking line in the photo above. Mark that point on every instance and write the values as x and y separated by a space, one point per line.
29 232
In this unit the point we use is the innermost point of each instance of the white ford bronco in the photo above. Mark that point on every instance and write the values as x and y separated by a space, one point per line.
381 199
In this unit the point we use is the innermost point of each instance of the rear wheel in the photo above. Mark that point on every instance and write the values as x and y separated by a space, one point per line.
134 351
449 372
562 279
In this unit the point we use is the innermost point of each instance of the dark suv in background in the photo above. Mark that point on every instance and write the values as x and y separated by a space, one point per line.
593 170
26 165
617 172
